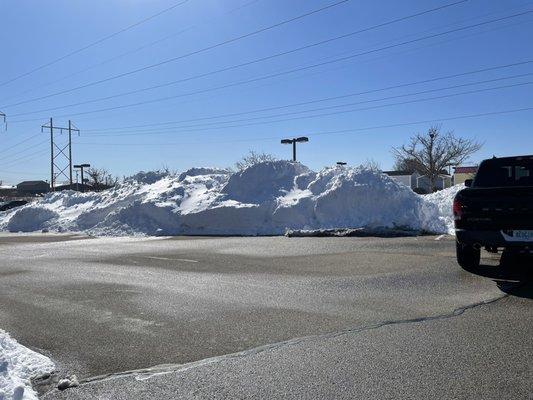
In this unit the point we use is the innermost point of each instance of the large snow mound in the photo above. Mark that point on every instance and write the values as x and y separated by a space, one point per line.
18 365
265 199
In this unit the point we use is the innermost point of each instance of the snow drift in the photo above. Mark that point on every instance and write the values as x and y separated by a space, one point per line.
265 199
18 365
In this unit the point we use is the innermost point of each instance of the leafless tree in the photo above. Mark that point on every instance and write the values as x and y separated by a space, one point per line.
100 178
371 164
435 151
408 165
253 158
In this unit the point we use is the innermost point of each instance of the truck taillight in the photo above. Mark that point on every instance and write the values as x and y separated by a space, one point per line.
457 210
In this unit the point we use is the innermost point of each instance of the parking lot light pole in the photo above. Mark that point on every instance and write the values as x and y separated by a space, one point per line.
293 141
81 167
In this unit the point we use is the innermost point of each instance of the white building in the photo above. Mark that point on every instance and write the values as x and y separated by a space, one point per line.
418 182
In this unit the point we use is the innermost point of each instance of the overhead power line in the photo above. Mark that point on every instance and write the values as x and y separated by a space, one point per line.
298 69
233 67
19 143
341 131
127 53
25 158
186 129
224 43
4 157
324 99
105 38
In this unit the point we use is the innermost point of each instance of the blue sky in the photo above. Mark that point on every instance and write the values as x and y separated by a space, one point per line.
34 33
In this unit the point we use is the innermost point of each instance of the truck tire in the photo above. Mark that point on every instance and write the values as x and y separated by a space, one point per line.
468 256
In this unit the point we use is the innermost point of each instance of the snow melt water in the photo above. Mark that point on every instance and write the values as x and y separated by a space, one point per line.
18 365
265 199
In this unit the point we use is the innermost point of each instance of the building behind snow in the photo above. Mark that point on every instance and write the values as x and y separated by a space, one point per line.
32 188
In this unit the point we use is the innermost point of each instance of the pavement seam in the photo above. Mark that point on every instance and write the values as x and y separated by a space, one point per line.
147 373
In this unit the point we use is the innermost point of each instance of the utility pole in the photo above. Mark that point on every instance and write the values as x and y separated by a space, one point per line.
3 117
293 141
61 152
77 183
81 167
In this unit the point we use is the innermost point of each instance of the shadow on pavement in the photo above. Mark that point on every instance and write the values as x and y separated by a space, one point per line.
514 274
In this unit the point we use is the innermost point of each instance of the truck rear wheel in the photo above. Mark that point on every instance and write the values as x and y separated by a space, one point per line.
467 255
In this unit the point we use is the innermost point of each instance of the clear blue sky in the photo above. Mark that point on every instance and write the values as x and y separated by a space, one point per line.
35 32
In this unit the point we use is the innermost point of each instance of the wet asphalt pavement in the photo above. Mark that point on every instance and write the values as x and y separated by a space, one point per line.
269 317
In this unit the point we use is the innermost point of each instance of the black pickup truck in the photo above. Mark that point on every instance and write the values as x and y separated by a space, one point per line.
495 210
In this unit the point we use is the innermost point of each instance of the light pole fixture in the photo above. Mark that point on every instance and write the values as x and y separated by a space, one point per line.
81 167
293 141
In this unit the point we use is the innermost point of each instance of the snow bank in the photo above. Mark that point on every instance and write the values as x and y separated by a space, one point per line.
442 201
18 365
265 199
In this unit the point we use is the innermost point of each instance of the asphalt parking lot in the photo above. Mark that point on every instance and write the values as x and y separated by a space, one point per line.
268 316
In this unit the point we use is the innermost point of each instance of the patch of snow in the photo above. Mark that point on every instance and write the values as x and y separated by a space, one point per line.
267 198
18 365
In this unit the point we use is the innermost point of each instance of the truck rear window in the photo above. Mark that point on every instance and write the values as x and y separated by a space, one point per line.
505 172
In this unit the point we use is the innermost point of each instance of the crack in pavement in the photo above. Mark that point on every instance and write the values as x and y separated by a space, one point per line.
163 369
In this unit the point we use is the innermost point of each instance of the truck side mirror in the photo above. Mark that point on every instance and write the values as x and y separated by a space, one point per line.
468 182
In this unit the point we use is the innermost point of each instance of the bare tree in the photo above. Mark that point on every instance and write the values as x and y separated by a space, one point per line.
253 158
434 151
407 165
371 164
100 178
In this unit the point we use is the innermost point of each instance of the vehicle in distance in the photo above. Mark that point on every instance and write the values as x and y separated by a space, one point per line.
495 210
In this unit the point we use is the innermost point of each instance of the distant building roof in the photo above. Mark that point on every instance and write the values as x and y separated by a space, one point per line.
465 170
32 183
398 173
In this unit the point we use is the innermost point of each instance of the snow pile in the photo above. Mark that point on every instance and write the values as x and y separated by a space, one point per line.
18 365
443 201
202 171
265 199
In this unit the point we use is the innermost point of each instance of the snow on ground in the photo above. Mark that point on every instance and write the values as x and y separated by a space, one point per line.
18 365
265 199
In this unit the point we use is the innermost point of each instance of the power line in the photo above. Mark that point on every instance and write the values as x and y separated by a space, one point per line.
326 98
345 58
234 66
23 150
368 60
112 35
342 131
25 158
119 56
321 115
202 50
19 143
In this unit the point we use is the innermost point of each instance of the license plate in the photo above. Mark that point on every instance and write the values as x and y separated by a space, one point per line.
519 236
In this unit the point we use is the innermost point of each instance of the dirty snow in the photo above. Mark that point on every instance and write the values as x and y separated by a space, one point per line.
268 198
18 365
